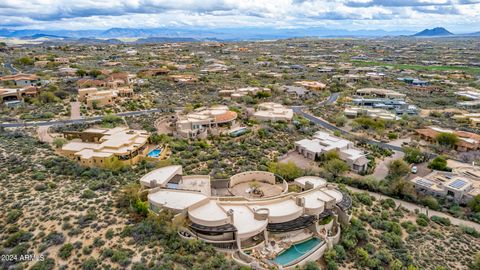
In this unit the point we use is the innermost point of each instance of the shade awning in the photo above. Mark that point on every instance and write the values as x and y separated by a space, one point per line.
215 229
296 224
346 202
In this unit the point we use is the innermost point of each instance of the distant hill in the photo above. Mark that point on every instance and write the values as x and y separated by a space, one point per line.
36 36
435 32
199 33
476 34
165 39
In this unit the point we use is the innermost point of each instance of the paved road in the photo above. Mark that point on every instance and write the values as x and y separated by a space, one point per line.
75 121
412 207
10 67
327 125
331 99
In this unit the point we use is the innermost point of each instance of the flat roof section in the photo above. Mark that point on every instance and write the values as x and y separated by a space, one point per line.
175 200
314 199
161 176
315 180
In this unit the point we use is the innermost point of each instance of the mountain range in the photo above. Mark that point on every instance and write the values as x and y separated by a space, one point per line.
150 35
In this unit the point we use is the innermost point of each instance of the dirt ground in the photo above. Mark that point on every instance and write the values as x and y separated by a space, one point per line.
268 190
300 161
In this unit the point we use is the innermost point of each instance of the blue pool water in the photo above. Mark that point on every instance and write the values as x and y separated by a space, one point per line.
238 132
155 153
296 251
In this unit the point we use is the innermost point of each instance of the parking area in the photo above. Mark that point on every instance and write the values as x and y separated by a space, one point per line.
300 161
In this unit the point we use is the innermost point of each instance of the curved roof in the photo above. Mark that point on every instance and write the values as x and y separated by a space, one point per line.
335 194
226 117
245 222
280 209
208 214
175 200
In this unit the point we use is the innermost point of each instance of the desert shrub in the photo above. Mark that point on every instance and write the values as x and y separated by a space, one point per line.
88 194
422 221
441 220
13 215
47 264
65 251
364 198
89 264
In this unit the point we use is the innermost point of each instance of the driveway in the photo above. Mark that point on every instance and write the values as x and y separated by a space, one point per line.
43 135
75 110
300 161
381 170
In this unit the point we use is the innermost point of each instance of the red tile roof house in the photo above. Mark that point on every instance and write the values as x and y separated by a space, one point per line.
21 79
467 141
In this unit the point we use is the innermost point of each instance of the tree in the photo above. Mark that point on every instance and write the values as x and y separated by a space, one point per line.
439 163
81 72
398 168
59 142
474 204
95 73
431 202
340 120
412 155
447 139
48 97
311 266
26 61
332 154
288 170
336 167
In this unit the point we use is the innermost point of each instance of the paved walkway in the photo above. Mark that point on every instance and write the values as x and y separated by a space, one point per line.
75 110
43 135
412 207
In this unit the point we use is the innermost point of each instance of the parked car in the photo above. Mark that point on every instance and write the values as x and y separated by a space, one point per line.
414 169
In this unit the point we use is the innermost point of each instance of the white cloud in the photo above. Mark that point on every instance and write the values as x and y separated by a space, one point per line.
368 14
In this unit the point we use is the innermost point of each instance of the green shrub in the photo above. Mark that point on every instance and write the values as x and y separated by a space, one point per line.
13 215
441 220
422 222
89 264
65 251
47 264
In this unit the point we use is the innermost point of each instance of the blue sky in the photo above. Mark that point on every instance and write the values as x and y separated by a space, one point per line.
459 16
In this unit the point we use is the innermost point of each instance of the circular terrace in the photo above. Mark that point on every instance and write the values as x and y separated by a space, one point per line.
256 184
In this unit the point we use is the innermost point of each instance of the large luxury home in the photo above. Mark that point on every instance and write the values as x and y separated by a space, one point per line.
270 111
97 147
252 215
467 141
323 142
205 121
460 186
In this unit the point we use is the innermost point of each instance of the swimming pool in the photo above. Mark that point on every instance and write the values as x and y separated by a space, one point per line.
238 132
155 153
296 251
